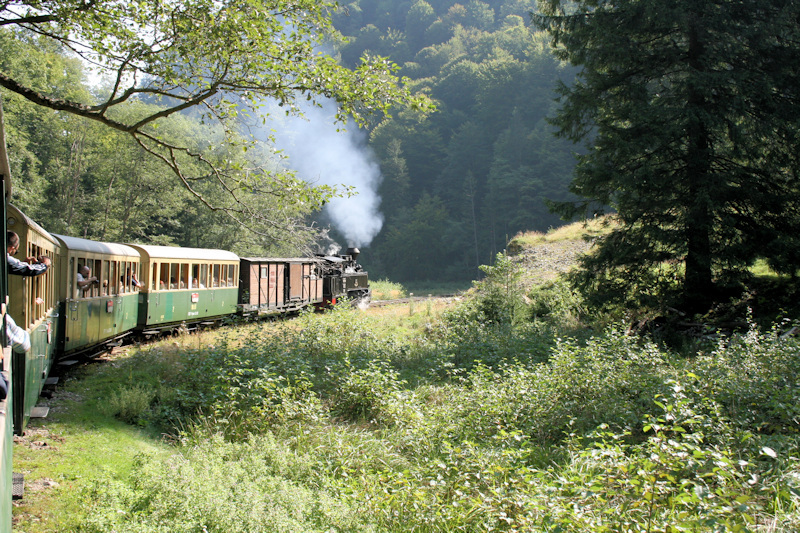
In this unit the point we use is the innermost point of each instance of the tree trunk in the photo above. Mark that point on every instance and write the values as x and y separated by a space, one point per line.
698 287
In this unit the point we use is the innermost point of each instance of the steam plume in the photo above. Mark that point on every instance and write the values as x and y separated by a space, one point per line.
322 155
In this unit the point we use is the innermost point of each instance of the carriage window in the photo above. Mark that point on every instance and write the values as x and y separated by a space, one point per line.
37 284
70 278
124 277
184 280
231 275
135 273
114 282
74 275
128 284
98 272
223 275
193 277
173 275
164 281
203 276
104 279
215 282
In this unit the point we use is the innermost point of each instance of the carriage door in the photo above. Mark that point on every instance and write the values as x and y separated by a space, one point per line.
73 322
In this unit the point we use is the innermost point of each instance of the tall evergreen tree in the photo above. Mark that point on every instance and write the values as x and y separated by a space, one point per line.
691 110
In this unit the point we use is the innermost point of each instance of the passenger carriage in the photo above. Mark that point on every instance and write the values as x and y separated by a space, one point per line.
185 285
34 306
108 309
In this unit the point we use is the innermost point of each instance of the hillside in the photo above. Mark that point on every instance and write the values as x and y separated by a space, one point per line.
545 256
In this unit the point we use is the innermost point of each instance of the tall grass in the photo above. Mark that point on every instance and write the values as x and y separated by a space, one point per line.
384 289
341 422
575 231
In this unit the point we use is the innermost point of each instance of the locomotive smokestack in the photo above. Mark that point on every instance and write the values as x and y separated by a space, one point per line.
353 252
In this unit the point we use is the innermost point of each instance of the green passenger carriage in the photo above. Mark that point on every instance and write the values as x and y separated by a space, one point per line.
33 304
106 310
185 285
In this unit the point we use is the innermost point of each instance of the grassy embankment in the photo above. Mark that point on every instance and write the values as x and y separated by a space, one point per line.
470 418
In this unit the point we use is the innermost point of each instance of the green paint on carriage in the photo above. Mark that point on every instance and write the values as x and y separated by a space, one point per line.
91 321
167 307
32 368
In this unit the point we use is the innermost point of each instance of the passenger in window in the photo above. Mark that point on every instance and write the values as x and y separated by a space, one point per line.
130 278
18 338
20 342
32 266
85 280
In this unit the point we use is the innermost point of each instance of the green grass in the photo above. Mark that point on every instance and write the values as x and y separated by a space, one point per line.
384 289
423 418
389 290
76 446
575 231
421 288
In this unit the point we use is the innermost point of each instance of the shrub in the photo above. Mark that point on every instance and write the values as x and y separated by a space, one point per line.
216 486
130 404
387 290
756 378
500 295
673 481
557 301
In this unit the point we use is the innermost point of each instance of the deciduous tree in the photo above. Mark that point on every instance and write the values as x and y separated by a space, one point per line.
222 58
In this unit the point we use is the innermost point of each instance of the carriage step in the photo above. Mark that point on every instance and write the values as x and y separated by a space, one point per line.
40 412
51 381
17 486
68 362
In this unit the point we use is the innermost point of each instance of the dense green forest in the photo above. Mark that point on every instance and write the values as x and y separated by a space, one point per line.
460 183
452 187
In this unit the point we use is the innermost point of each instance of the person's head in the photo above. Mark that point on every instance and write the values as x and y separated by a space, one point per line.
84 271
12 241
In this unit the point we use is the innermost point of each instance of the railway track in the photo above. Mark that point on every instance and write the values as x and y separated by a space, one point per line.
409 299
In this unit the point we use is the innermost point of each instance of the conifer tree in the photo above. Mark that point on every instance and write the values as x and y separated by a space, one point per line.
690 114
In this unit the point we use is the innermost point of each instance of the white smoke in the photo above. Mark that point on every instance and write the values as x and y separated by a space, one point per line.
322 155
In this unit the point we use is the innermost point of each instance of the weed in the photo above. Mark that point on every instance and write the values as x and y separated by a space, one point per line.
130 403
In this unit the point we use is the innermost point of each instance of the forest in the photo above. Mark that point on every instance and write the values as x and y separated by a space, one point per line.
459 184
453 185
655 388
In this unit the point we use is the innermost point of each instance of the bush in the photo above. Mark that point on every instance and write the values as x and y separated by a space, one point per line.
558 302
500 295
673 481
756 379
130 404
216 486
387 290
374 394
